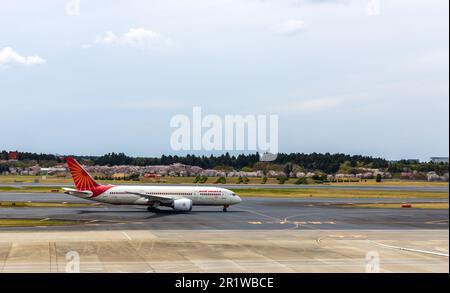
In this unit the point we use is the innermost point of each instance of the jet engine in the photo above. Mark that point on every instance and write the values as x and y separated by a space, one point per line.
182 204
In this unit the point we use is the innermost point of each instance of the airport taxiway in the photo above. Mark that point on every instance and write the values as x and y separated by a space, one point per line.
251 214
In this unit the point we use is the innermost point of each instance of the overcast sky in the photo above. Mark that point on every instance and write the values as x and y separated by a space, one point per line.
352 76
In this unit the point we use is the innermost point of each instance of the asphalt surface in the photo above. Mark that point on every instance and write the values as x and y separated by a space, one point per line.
251 214
269 186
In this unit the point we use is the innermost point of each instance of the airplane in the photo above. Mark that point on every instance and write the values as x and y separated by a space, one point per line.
179 198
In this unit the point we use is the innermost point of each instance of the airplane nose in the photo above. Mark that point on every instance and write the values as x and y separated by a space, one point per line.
238 199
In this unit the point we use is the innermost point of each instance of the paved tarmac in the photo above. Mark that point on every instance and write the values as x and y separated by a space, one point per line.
251 214
256 251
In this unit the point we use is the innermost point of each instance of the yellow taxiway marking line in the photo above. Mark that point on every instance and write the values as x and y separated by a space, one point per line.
437 221
255 223
260 214
336 236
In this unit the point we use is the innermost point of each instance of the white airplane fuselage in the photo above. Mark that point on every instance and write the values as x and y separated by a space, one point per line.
135 195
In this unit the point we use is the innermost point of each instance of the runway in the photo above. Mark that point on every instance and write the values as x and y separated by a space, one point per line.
251 214
269 186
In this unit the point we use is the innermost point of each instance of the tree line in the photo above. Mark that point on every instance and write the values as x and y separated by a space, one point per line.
328 163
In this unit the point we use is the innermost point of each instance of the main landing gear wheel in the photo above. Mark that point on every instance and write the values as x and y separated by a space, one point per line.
152 209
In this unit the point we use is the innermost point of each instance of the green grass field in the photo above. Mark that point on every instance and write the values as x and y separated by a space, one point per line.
435 206
31 189
268 192
24 204
211 180
34 223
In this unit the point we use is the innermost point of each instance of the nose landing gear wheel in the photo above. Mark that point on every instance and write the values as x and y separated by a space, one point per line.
225 209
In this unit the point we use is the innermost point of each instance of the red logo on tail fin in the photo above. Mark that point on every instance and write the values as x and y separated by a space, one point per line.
81 178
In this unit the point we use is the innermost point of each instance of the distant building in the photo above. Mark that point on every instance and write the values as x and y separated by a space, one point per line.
438 160
52 170
152 175
13 156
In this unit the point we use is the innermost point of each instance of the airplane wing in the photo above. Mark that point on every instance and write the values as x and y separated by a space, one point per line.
159 198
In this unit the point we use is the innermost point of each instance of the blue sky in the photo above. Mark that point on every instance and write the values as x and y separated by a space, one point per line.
341 76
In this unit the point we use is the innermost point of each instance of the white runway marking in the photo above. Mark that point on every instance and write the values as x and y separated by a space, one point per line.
412 249
255 223
126 235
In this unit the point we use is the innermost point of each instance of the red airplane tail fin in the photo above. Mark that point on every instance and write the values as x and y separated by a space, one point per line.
81 178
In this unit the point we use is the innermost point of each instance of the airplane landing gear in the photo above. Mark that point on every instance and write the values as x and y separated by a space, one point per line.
225 208
152 209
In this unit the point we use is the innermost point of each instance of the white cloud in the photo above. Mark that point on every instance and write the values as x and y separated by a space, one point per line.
133 104
290 27
373 8
136 38
320 104
86 46
10 57
435 59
